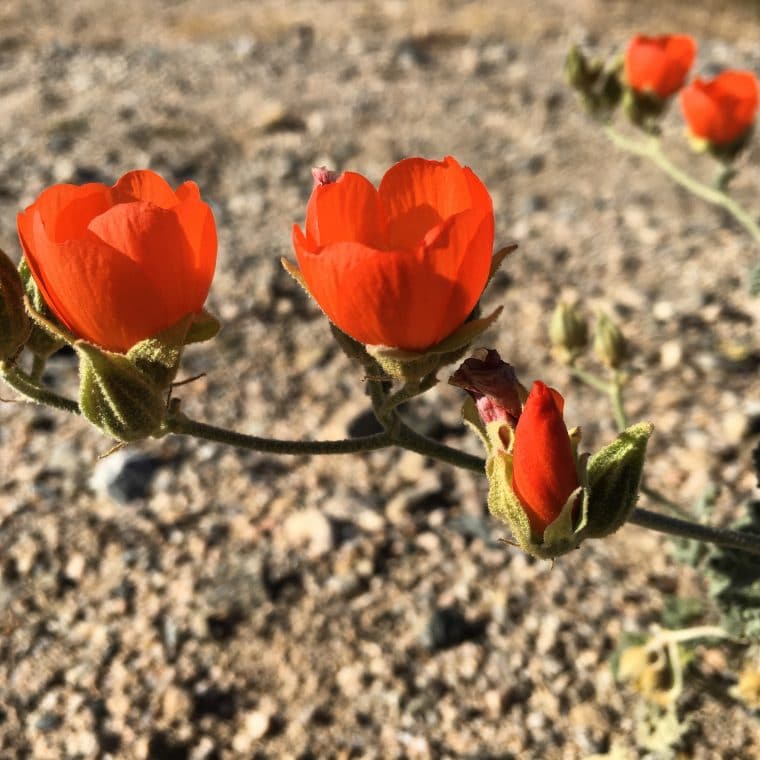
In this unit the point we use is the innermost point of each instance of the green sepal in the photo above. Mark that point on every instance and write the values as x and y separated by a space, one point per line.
644 109
158 357
564 534
413 365
351 348
498 259
503 504
471 418
116 396
614 474
47 335
15 326
203 327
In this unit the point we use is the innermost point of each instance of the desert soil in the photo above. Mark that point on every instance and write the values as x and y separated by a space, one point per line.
189 601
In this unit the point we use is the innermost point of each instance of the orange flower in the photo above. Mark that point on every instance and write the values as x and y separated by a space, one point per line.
659 64
543 466
403 265
119 264
721 110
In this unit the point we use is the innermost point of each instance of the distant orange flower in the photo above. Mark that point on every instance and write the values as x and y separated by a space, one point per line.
402 265
119 264
659 64
721 110
544 474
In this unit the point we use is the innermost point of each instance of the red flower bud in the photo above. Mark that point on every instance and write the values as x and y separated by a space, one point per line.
659 64
721 110
120 264
493 386
544 472
402 265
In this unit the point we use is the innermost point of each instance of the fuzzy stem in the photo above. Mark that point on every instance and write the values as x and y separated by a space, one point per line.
31 391
182 425
729 539
652 150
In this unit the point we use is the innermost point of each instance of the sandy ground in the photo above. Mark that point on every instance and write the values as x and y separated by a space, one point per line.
184 600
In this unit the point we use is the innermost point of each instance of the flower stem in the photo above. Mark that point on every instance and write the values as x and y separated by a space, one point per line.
729 539
615 392
652 150
38 367
24 384
182 425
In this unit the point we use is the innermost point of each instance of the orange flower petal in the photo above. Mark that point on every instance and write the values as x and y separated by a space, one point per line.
197 221
377 297
345 210
659 64
543 466
721 110
144 185
418 194
97 292
153 238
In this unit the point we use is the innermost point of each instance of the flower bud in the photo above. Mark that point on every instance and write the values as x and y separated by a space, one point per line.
492 385
610 344
597 83
14 322
568 330
116 396
614 474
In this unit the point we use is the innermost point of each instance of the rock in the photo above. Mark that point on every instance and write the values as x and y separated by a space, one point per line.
125 476
308 530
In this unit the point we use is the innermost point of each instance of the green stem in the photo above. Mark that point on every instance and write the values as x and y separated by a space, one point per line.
24 384
409 391
615 392
656 496
729 539
408 438
182 425
652 151
38 367
591 380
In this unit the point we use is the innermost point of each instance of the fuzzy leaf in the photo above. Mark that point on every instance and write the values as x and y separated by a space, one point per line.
734 581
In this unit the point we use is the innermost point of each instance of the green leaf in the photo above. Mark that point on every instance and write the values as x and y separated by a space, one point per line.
734 581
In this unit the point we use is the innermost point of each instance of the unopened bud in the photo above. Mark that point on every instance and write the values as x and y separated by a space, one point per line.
596 82
568 330
14 321
614 474
116 397
610 344
493 386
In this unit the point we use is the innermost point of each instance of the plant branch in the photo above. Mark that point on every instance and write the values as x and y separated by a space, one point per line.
31 391
181 425
716 196
729 539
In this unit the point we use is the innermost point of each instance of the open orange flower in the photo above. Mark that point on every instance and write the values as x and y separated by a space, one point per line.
402 265
119 264
659 64
723 109
544 474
